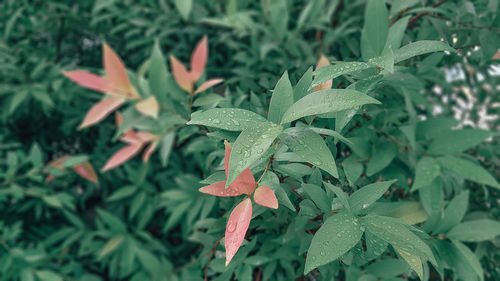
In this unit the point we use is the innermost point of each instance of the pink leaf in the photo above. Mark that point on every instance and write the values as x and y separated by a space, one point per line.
199 59
208 84
245 182
149 151
148 107
88 80
116 72
219 189
121 156
181 75
323 61
86 171
237 227
100 110
265 196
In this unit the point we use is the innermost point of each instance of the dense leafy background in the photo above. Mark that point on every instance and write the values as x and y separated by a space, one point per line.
149 222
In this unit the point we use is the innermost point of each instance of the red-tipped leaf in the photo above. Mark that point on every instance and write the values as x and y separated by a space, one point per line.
219 189
208 84
147 153
89 80
116 72
323 61
121 156
265 196
237 227
199 59
86 171
181 75
100 110
245 182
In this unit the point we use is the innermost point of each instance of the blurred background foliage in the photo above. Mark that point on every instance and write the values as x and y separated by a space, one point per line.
148 222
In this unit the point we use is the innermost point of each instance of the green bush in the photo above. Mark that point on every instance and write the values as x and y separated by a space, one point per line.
336 118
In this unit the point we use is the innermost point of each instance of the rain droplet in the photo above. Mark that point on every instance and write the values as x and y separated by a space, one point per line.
231 227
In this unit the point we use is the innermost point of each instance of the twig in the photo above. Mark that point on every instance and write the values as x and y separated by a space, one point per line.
211 256
265 170
415 18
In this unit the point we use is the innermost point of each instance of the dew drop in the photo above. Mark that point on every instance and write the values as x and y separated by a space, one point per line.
231 227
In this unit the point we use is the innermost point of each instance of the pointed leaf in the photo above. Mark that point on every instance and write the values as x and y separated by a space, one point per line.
208 84
414 261
326 101
157 74
339 68
147 153
245 182
219 189
230 119
468 170
89 80
396 33
301 89
456 141
250 145
236 228
265 196
426 171
181 75
148 107
86 171
368 194
470 257
281 99
199 59
375 29
310 147
323 61
121 156
420 48
116 72
454 212
338 235
100 110
475 231
397 234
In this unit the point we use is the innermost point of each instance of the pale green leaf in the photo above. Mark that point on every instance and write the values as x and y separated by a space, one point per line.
231 119
281 99
368 194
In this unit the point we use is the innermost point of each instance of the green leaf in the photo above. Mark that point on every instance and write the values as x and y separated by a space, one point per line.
166 144
341 195
454 212
339 68
381 157
318 196
375 29
271 179
52 201
113 222
475 231
301 89
250 145
338 235
368 194
184 7
420 48
122 193
397 234
352 170
468 170
310 147
411 213
231 119
48 275
396 33
17 99
457 141
157 75
426 171
470 257
326 101
414 261
75 160
332 133
281 99
110 246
